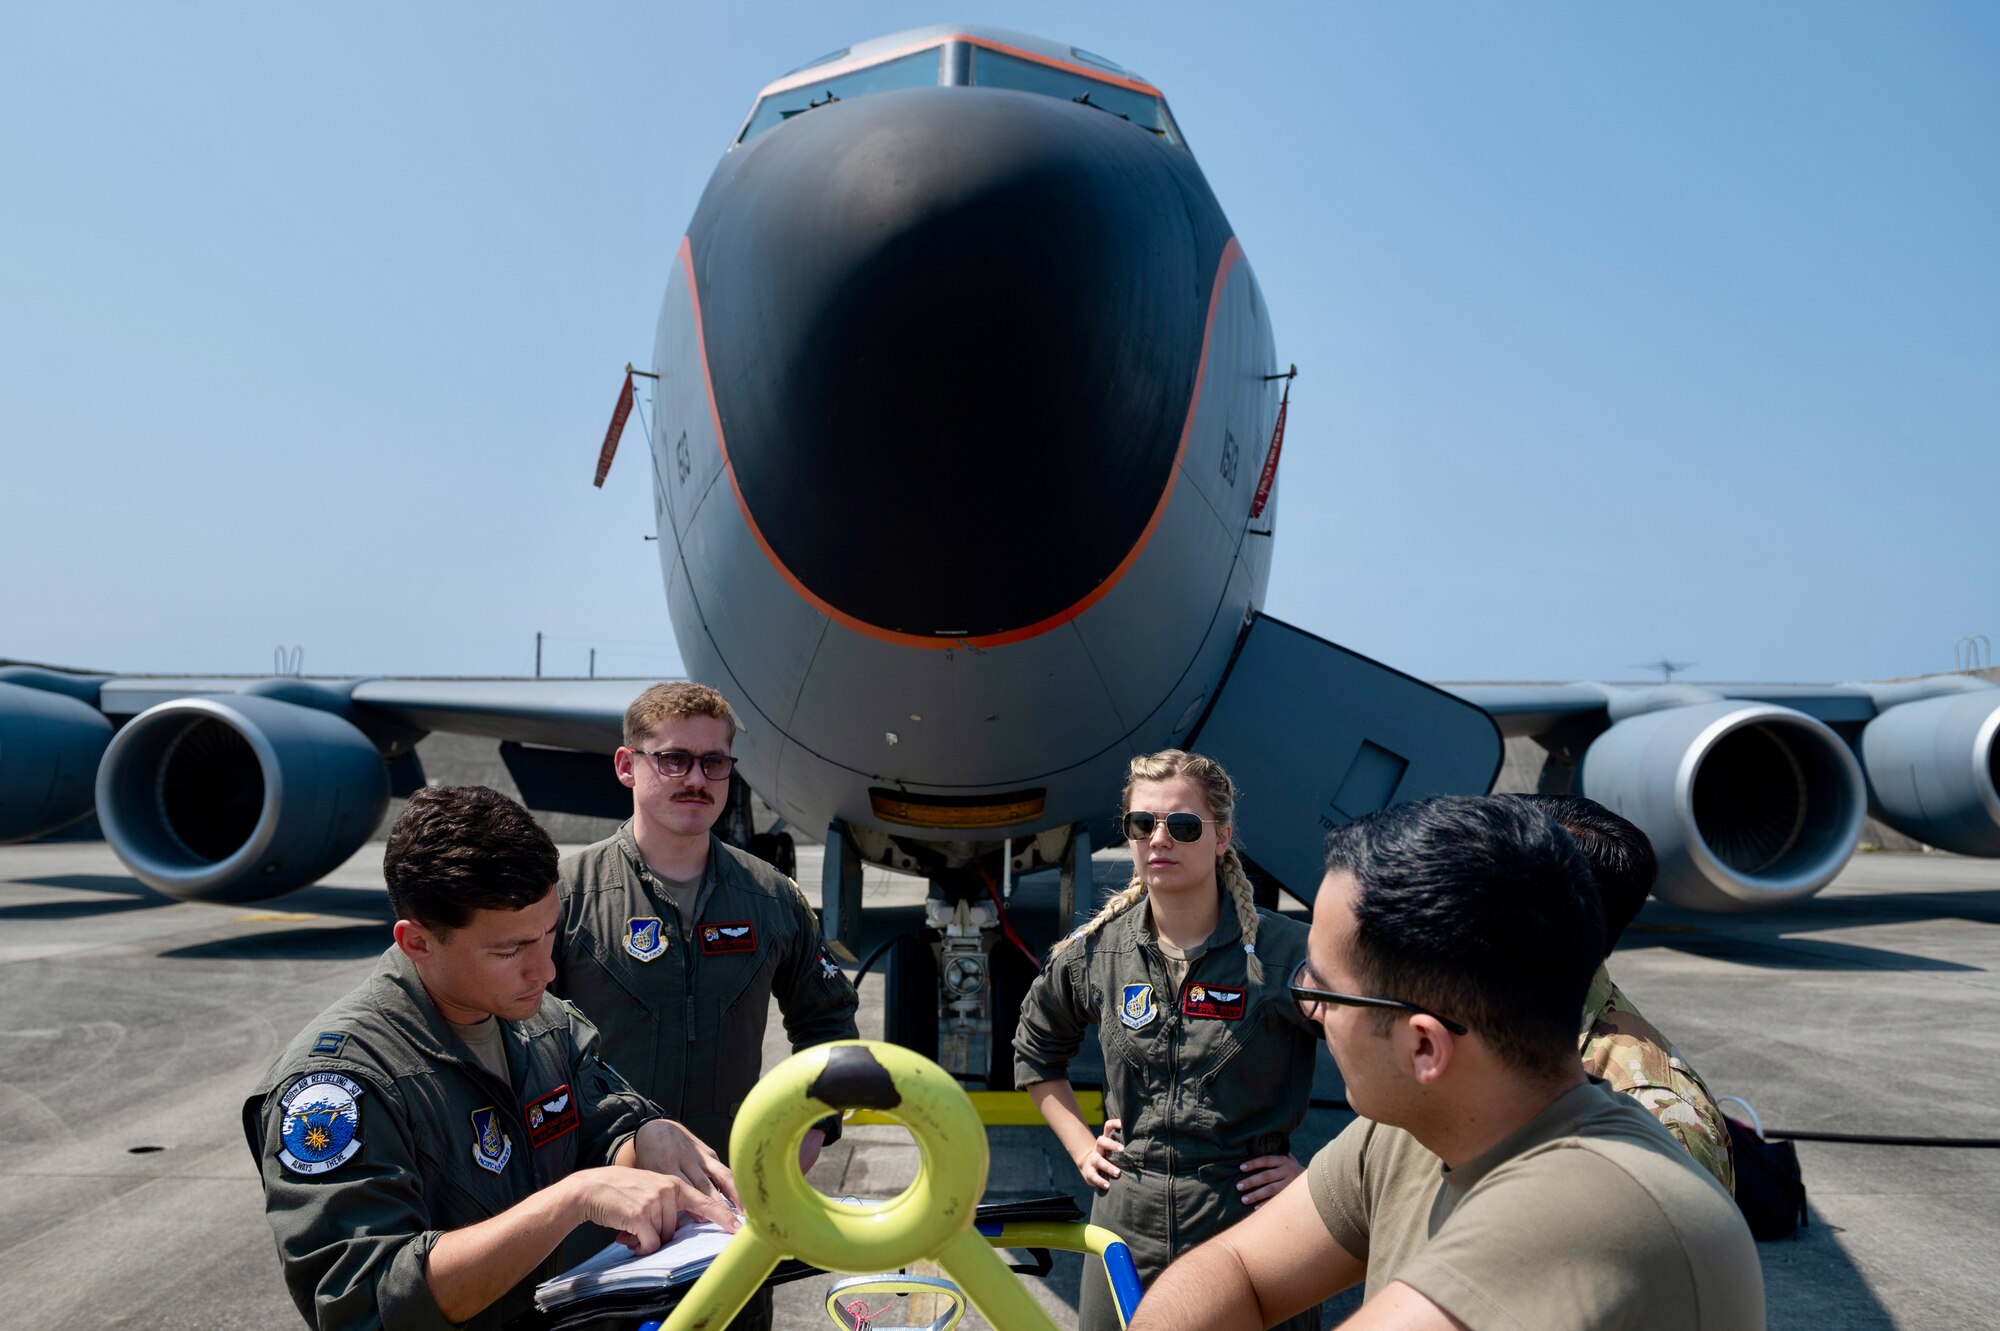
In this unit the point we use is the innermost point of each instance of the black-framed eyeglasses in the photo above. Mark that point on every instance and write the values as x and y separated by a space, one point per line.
677 762
1182 827
1309 1000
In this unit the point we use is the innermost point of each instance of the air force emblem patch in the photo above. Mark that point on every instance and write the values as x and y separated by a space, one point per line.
322 1123
644 938
1135 1007
491 1146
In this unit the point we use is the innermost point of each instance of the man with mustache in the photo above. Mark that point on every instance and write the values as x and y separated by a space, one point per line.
674 942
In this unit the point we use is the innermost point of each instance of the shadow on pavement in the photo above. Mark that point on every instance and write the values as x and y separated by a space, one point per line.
332 942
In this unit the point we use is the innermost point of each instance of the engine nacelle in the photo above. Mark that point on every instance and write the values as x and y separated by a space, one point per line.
1749 805
49 749
1934 770
236 797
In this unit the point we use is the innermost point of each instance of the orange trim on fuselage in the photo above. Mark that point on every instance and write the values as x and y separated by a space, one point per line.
1231 252
807 77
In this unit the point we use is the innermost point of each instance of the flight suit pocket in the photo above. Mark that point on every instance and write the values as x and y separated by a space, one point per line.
739 1053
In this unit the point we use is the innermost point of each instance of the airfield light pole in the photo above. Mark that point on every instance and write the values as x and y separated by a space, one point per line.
538 654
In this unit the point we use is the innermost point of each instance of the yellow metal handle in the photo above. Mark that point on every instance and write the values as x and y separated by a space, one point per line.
787 1217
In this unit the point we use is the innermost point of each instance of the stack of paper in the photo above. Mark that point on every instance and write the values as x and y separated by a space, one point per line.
615 1270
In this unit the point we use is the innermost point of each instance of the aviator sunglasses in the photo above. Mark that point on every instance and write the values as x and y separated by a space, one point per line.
1182 827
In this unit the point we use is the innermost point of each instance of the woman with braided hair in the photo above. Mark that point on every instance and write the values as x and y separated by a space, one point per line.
1207 1061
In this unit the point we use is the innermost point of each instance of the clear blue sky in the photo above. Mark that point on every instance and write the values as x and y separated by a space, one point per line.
1622 329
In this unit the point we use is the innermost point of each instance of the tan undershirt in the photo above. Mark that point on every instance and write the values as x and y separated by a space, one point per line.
681 894
1177 962
1589 1215
482 1037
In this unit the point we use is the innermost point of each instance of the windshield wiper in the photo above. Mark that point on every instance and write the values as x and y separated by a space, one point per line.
1085 101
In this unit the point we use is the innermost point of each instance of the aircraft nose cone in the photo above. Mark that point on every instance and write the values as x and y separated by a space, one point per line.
952 335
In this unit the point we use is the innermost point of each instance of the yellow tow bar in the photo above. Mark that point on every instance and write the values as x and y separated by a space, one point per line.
931 1219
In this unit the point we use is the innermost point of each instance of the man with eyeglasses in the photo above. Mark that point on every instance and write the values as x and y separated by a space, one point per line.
674 942
1489 1183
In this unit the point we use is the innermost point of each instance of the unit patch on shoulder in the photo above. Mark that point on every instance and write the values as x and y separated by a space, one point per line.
731 936
322 1123
828 970
328 1044
644 937
1209 1000
1135 1006
550 1116
491 1146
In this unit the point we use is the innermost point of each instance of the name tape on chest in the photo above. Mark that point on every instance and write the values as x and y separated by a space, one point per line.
550 1116
492 1148
322 1123
1212 1000
728 938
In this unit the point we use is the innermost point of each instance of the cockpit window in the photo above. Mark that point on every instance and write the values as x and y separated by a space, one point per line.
995 69
918 70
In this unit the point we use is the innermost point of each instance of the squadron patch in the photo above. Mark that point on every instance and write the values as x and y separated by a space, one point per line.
492 1148
827 968
645 938
724 939
1209 1000
1135 1007
321 1125
550 1116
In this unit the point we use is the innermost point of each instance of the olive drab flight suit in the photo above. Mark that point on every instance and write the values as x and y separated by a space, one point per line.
376 1131
682 1007
1202 1079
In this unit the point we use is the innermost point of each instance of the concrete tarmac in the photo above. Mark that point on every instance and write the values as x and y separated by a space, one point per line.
131 1027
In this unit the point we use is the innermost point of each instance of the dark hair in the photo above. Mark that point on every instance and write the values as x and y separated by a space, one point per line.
1479 908
458 849
1621 859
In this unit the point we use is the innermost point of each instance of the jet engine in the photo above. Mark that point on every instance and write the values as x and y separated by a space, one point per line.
1749 805
1934 770
238 797
49 747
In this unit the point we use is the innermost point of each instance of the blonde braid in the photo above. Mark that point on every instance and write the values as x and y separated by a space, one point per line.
1237 884
1121 901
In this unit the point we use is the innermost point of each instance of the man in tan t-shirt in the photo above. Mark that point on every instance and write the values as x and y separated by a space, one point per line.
1490 1184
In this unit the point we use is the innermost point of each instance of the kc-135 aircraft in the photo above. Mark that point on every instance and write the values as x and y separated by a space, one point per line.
965 471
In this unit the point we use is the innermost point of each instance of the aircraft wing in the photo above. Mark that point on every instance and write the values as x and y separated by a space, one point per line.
564 713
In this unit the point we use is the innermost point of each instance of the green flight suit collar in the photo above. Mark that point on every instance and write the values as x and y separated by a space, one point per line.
649 878
408 1007
1136 929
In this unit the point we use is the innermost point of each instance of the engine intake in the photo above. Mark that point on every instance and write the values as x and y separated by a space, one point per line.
49 748
1749 805
237 797
1934 770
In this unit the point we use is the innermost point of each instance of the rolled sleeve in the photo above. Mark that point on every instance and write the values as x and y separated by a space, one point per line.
1055 1016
